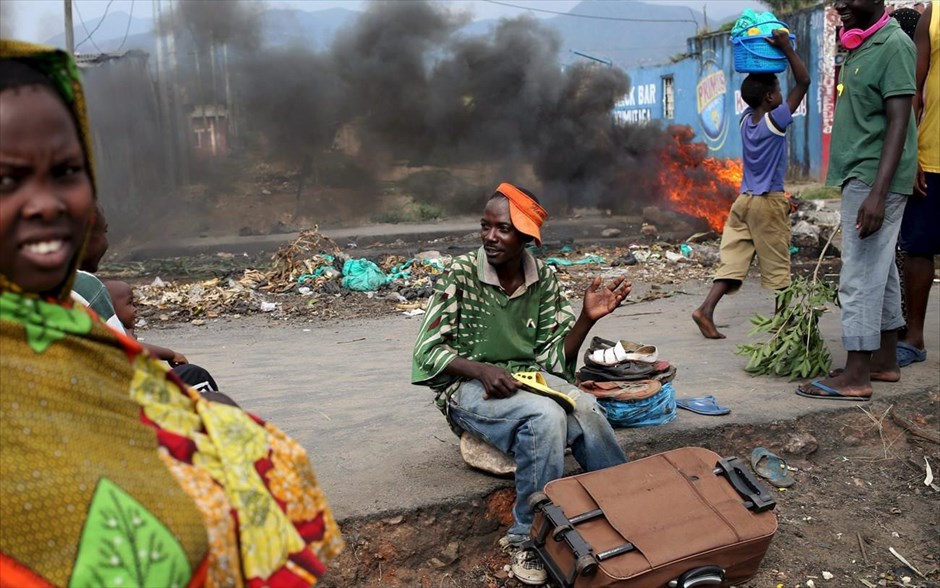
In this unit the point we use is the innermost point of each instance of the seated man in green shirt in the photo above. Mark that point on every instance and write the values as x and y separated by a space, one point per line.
496 311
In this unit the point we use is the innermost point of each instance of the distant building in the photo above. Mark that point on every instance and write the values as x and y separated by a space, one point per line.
209 125
701 90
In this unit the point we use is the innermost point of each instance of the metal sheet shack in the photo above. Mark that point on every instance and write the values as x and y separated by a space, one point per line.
701 89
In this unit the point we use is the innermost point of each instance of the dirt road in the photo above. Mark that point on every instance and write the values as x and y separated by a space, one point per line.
414 514
379 444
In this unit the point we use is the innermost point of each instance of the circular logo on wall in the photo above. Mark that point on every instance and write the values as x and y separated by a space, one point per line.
710 97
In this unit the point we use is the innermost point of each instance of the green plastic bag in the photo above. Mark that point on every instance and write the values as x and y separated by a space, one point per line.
363 275
585 260
765 22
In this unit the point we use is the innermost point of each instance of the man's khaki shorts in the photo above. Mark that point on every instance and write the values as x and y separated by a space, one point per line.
757 225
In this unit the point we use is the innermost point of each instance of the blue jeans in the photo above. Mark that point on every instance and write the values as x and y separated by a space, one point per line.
535 430
869 288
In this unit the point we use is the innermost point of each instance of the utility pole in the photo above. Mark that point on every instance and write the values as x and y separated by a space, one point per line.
166 114
69 31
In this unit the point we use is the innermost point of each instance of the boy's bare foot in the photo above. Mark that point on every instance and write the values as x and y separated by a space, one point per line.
706 325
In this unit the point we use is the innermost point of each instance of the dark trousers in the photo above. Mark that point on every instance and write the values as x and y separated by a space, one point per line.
196 377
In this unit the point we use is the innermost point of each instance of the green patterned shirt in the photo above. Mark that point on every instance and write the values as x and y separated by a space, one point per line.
472 317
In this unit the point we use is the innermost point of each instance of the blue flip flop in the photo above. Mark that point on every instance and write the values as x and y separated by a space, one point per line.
705 405
908 354
772 468
828 393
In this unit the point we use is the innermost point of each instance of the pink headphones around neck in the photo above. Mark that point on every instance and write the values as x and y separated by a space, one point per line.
853 38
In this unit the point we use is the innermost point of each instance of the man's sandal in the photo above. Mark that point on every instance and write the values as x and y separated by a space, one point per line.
534 382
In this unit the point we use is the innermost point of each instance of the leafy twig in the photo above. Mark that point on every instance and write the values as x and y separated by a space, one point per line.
795 348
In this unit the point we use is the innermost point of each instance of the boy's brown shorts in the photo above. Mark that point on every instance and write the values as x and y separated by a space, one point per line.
757 225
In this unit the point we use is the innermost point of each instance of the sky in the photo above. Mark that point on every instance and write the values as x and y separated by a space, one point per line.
38 20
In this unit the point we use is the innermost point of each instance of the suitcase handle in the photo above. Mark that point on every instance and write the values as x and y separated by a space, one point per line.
756 497
562 529
703 576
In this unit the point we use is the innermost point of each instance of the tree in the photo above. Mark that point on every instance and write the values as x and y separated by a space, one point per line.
786 6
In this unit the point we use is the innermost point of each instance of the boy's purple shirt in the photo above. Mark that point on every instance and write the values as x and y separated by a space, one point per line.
764 147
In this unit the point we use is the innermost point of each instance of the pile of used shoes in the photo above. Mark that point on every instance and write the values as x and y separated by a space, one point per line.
630 382
624 361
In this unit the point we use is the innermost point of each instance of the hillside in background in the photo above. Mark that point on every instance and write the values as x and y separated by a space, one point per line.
626 43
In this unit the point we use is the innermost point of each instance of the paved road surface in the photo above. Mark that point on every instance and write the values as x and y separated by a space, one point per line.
378 443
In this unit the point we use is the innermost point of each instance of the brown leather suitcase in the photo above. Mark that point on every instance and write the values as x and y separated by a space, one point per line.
680 519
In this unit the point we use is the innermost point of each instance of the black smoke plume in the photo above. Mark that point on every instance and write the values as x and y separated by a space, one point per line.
418 91
207 23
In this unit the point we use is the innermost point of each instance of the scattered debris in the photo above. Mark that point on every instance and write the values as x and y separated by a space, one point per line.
676 257
303 255
804 234
801 444
861 547
916 430
706 236
625 259
905 562
819 215
305 278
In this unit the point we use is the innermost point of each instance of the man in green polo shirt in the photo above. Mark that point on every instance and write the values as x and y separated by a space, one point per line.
874 161
497 311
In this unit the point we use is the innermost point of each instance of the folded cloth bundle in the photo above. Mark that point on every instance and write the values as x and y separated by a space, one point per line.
640 410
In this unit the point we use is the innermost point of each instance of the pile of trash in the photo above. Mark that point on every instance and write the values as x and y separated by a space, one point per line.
309 270
312 277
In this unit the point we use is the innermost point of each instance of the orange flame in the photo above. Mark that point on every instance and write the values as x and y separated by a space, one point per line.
696 185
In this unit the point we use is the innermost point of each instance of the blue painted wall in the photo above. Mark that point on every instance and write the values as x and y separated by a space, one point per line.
707 96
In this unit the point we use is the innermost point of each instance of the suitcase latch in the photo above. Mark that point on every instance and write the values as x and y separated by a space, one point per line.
756 497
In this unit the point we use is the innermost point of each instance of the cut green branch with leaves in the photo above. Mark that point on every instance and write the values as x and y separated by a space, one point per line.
795 348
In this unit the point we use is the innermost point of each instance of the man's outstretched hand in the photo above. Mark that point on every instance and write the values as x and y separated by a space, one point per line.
599 301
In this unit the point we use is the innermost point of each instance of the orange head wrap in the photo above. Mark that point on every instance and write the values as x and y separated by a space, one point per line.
526 214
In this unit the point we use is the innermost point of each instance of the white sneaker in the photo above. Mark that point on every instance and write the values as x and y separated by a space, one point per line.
528 568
